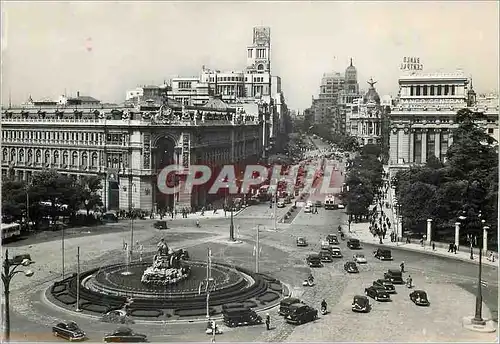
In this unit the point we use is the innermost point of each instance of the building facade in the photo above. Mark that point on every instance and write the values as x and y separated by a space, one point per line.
129 146
423 116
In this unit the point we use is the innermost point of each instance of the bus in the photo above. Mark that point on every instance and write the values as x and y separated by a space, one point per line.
11 230
330 202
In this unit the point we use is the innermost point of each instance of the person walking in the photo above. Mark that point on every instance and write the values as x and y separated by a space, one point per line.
402 266
268 321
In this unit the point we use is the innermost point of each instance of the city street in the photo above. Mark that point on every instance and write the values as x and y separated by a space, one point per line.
445 281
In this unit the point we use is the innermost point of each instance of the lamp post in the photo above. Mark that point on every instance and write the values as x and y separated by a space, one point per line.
78 279
9 270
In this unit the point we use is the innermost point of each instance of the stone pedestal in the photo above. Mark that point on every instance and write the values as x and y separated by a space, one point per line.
429 231
488 326
457 233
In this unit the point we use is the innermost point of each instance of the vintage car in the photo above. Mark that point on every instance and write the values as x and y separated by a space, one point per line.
353 244
325 245
382 254
419 297
332 239
242 316
160 225
326 256
281 203
386 285
285 305
301 313
377 294
336 252
395 276
69 331
314 261
351 267
359 258
302 242
125 335
360 304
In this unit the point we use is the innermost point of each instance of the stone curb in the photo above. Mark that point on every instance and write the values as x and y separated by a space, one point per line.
402 247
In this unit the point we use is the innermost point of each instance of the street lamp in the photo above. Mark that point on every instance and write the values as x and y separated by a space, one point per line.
9 270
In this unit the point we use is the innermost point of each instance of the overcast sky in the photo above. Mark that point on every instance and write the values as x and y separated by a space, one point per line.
104 49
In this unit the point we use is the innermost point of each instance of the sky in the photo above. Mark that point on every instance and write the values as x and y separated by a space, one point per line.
103 49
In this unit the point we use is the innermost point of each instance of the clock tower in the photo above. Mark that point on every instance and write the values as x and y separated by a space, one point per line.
259 53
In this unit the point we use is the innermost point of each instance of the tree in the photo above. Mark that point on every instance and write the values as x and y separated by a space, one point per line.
14 200
90 197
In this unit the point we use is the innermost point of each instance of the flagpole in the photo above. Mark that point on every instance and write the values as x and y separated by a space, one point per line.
257 251
78 279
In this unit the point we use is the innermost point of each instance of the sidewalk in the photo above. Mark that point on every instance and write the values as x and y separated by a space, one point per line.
361 232
209 214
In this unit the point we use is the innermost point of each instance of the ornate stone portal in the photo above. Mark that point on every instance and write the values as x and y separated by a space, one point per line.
167 267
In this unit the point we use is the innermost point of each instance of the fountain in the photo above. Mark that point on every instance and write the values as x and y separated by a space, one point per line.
168 267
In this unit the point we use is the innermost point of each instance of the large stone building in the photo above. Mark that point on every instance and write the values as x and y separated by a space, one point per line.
129 145
423 117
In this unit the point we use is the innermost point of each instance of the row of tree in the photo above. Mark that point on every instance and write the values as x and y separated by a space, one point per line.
48 196
363 181
466 184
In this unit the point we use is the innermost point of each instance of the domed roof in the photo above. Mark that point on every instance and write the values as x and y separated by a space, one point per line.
371 96
351 68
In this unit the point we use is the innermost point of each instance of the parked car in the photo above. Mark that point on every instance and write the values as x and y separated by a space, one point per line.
125 335
302 242
160 225
314 261
395 276
301 313
359 258
360 304
285 305
419 297
307 209
353 244
325 245
326 256
332 239
383 254
385 284
351 267
336 253
69 331
377 294
281 203
242 316
341 206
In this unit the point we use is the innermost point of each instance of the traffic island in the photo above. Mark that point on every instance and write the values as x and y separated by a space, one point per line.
488 326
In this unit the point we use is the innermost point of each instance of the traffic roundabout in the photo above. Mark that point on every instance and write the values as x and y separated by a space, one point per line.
119 286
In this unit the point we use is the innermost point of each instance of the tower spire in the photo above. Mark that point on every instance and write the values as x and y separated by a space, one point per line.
351 62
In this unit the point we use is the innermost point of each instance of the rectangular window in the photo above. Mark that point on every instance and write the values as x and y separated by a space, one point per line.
417 148
418 90
412 90
443 145
452 90
490 131
440 90
446 90
250 53
431 144
425 90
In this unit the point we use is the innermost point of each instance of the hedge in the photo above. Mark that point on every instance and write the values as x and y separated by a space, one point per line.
88 306
66 299
193 312
268 297
146 313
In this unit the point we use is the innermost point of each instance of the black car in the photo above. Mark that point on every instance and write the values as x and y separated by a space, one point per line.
242 316
285 305
314 261
419 297
301 313
351 267
326 256
69 331
125 335
395 276
377 294
332 239
385 284
302 242
160 225
353 244
383 254
360 304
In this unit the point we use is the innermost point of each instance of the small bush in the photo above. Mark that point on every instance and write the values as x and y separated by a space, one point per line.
146 313
275 287
57 289
268 297
66 299
193 312
93 307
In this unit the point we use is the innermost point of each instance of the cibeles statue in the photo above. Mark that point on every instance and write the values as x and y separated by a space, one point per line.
167 267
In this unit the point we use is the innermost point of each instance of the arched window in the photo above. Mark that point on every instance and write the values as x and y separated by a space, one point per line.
30 155
65 158
46 159
74 158
55 158
13 155
5 154
21 155
93 161
85 159
260 67
38 156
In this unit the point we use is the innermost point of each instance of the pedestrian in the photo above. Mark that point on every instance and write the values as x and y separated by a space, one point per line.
268 321
455 248
450 247
433 246
402 266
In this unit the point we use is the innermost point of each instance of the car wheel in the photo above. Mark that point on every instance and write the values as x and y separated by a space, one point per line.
55 334
376 298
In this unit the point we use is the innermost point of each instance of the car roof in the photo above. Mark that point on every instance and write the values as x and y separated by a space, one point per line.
393 271
238 310
297 305
420 292
357 297
313 255
290 300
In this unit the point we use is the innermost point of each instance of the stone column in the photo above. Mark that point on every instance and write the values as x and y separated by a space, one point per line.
393 148
412 147
485 240
437 144
429 231
457 233
424 146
